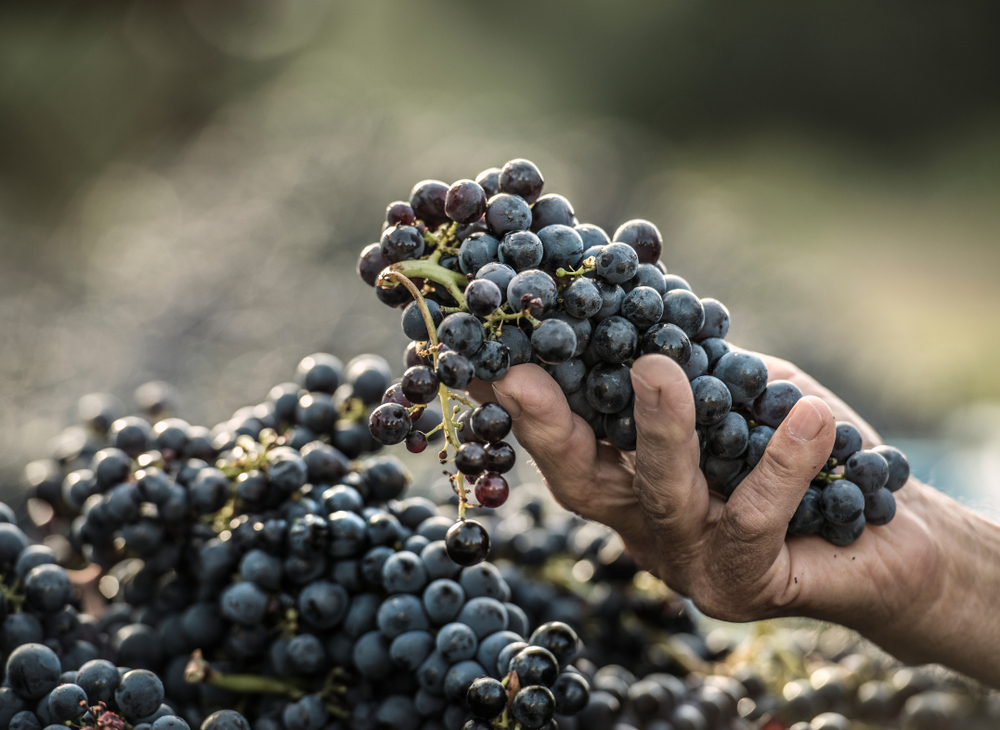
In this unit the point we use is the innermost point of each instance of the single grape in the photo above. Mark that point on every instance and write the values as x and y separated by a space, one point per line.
470 458
771 406
462 332
847 443
533 707
620 429
716 320
759 438
569 375
715 348
491 490
521 177
673 283
491 361
611 298
899 467
880 507
532 290
413 322
868 469
467 542
483 297
401 243
428 202
648 275
489 181
491 422
517 342
808 517
420 384
500 457
506 213
743 373
615 340
389 423
592 235
712 400
562 247
487 698
400 212
571 693
455 370
552 209
465 201
669 340
642 236
558 638
843 502
582 299
842 535
729 438
477 251
608 387
521 250
553 341
642 306
617 263
697 364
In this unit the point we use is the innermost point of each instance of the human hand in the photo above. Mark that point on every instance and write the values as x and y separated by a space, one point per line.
733 558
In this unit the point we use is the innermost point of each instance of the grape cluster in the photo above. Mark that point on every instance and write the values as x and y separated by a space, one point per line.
491 273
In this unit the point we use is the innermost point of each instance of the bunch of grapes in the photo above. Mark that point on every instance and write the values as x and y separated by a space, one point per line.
491 273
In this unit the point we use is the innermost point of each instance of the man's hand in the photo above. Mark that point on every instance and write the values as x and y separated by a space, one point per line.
733 558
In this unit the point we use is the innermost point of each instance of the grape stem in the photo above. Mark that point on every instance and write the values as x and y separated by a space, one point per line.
586 266
453 282
450 433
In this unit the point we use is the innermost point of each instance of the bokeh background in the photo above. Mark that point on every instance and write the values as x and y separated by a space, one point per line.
185 185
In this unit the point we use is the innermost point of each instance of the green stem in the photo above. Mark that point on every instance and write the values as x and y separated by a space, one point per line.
586 266
429 269
198 671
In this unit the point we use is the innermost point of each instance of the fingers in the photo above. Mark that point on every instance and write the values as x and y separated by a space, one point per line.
667 480
480 392
590 481
760 508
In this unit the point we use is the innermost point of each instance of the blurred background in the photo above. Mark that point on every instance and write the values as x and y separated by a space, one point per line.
185 186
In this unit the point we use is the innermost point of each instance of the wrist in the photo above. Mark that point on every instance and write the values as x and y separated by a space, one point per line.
939 604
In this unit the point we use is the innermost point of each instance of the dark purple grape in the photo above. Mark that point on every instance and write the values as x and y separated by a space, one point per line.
808 517
506 213
712 400
642 306
847 443
669 340
899 467
743 373
389 423
558 638
467 542
617 263
608 387
552 209
684 309
569 375
842 535
714 348
477 251
462 332
716 320
394 394
593 236
582 299
489 181
455 370
642 236
553 341
615 340
517 342
533 290
697 364
470 459
487 698
401 243
571 692
428 202
500 457
843 502
416 442
729 438
523 178
393 296
773 405
465 201
880 507
562 247
491 422
868 469
521 250
760 437
420 385
483 297
492 361
400 213
413 323
533 707
491 489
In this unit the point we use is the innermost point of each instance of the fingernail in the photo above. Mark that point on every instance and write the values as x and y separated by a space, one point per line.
805 421
507 401
646 395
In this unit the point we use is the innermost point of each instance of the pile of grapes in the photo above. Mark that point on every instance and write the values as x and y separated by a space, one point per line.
271 574
490 273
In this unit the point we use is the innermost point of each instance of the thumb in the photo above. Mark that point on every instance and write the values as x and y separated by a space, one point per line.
765 501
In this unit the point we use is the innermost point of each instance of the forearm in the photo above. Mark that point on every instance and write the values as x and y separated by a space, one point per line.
959 624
